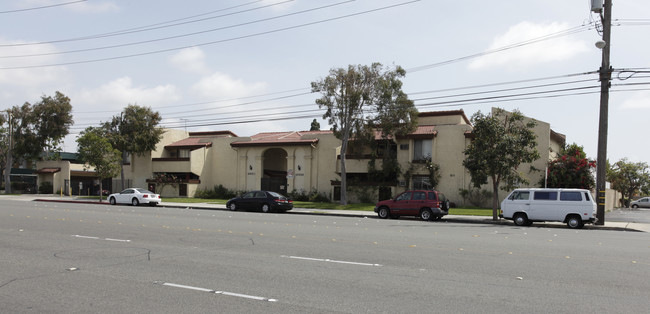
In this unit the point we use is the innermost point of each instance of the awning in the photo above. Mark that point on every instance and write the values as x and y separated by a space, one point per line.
48 170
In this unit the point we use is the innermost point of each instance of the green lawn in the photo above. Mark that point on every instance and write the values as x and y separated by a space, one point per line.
472 211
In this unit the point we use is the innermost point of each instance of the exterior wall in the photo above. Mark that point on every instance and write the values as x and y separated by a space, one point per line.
57 178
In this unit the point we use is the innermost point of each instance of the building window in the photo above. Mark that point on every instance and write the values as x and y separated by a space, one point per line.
184 153
421 183
126 158
422 149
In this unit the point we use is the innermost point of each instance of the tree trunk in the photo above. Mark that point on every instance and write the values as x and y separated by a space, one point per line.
495 199
344 183
101 190
122 171
8 172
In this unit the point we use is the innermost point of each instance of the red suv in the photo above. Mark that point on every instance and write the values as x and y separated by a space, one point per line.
428 205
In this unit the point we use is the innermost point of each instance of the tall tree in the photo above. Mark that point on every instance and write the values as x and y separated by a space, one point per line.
315 126
501 142
37 128
629 178
135 131
571 169
4 146
96 151
353 97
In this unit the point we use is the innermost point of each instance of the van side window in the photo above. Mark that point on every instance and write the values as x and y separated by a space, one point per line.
545 196
570 196
587 198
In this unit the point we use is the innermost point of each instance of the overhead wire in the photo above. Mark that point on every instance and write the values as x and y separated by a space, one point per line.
175 36
211 42
42 7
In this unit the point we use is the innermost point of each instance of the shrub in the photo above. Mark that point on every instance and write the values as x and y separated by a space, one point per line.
312 196
475 197
218 191
46 188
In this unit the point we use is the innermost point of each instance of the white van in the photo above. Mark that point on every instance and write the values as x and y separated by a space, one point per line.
573 206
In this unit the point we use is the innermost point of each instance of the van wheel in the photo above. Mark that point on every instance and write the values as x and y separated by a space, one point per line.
426 214
574 222
521 219
383 212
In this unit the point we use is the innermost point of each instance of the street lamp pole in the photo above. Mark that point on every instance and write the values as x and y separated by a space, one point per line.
605 78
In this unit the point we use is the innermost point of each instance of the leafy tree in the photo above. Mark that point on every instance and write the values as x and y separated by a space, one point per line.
571 169
95 150
315 126
4 148
501 142
36 129
356 96
135 131
629 178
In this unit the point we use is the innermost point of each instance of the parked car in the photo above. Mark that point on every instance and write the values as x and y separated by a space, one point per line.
427 204
135 197
266 201
575 207
642 202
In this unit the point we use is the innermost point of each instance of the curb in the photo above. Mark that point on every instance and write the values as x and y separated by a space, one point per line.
454 219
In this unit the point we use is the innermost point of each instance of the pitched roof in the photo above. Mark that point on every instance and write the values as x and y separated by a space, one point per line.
191 143
280 138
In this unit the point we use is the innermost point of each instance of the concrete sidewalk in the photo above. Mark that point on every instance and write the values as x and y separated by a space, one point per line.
621 226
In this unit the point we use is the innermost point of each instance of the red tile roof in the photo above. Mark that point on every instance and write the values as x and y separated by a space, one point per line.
280 138
191 143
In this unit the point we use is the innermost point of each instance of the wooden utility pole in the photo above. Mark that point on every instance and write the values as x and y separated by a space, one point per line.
9 159
605 78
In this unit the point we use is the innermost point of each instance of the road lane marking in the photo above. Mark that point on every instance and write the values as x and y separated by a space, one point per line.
326 260
232 294
98 238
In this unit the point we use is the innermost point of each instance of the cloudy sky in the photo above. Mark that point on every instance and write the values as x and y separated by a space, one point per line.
247 65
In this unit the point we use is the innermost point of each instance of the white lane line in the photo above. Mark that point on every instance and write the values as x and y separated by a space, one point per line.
98 238
117 240
85 237
331 261
186 287
232 294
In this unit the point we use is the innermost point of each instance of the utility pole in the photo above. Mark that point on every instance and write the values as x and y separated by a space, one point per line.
9 160
605 78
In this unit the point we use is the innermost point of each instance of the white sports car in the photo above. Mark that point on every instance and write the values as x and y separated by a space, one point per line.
135 197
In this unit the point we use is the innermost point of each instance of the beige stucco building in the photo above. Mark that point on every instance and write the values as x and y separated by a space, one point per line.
308 161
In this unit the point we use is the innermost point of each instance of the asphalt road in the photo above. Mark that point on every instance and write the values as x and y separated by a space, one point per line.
80 258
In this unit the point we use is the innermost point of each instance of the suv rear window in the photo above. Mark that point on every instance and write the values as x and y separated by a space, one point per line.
545 196
432 196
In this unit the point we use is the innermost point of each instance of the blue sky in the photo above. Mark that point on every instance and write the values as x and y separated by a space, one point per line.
246 65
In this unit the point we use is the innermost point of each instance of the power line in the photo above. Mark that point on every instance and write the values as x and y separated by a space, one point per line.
140 29
174 37
42 7
212 42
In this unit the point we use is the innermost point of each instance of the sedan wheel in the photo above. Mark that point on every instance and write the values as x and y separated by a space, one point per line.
426 214
232 206
266 208
112 201
135 202
635 206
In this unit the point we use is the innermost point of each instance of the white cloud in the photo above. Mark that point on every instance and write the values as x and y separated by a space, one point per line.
640 100
118 93
219 85
12 74
190 60
552 50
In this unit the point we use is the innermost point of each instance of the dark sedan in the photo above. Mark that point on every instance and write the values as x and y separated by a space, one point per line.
265 201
